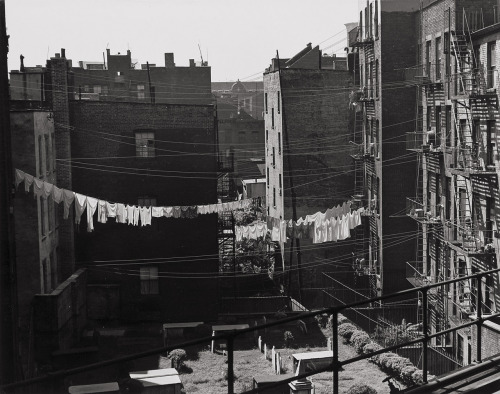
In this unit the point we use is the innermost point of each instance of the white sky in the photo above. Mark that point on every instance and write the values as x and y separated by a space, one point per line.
241 37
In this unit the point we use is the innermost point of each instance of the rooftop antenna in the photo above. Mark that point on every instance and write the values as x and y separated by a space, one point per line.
201 55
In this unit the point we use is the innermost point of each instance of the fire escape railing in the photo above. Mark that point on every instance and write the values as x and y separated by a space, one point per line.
336 365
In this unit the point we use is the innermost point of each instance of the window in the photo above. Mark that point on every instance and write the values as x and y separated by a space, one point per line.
140 92
279 181
272 118
490 145
370 33
265 101
376 78
438 126
438 58
145 201
267 179
267 135
448 125
274 197
40 157
274 158
119 73
149 280
279 143
50 206
48 162
42 217
429 117
279 102
97 89
448 198
375 23
145 144
428 58
492 65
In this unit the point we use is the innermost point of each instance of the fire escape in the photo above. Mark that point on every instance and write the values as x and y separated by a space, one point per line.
364 154
225 223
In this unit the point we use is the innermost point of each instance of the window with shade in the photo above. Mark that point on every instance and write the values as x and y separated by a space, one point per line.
145 144
149 280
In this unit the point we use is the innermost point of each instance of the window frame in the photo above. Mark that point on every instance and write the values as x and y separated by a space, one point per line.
149 281
145 150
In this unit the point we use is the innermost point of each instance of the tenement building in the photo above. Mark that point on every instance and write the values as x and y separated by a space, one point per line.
308 168
456 203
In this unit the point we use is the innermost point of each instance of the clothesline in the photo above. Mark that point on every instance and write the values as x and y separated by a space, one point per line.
121 212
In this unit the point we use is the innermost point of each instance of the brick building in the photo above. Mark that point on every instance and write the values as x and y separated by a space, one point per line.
130 152
235 97
456 204
308 168
119 79
382 107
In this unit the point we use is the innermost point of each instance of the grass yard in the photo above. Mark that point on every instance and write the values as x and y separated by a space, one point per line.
209 371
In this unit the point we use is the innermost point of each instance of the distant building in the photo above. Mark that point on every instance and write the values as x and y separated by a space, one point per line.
233 98
308 167
119 79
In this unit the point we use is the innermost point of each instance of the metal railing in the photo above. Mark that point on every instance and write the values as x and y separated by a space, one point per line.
416 209
468 237
335 366
415 274
467 160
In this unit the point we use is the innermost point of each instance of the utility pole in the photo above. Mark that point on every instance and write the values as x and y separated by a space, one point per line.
286 148
8 313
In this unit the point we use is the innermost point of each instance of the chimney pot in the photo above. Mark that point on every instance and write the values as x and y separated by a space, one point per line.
63 52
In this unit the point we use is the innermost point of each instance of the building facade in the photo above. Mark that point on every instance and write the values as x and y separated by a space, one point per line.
308 168
456 204
382 106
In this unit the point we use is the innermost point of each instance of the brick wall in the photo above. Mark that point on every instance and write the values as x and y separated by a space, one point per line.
105 130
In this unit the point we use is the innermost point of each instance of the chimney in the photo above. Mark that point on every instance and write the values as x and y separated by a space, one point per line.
191 63
63 53
58 55
169 60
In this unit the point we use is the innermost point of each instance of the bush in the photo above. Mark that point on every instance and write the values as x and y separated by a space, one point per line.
341 319
346 330
371 347
384 360
359 339
418 377
288 338
406 374
322 320
398 363
177 356
359 388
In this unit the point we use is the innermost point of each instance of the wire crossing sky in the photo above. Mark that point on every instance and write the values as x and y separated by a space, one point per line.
238 38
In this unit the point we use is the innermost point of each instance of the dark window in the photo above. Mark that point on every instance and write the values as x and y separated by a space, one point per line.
146 201
267 135
40 157
42 217
370 33
279 102
267 176
145 144
149 280
438 58
438 126
272 118
274 197
274 158
429 118
265 101
448 198
279 181
490 145
279 143
428 58
448 125
375 23
376 78
492 65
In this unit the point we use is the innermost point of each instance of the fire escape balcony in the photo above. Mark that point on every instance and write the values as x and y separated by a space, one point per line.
416 276
467 240
416 209
415 141
362 42
358 152
419 74
465 162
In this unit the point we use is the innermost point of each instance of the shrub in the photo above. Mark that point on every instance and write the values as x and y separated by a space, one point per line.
418 377
322 320
384 360
398 363
177 356
359 388
342 319
359 339
371 347
406 374
346 330
288 338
